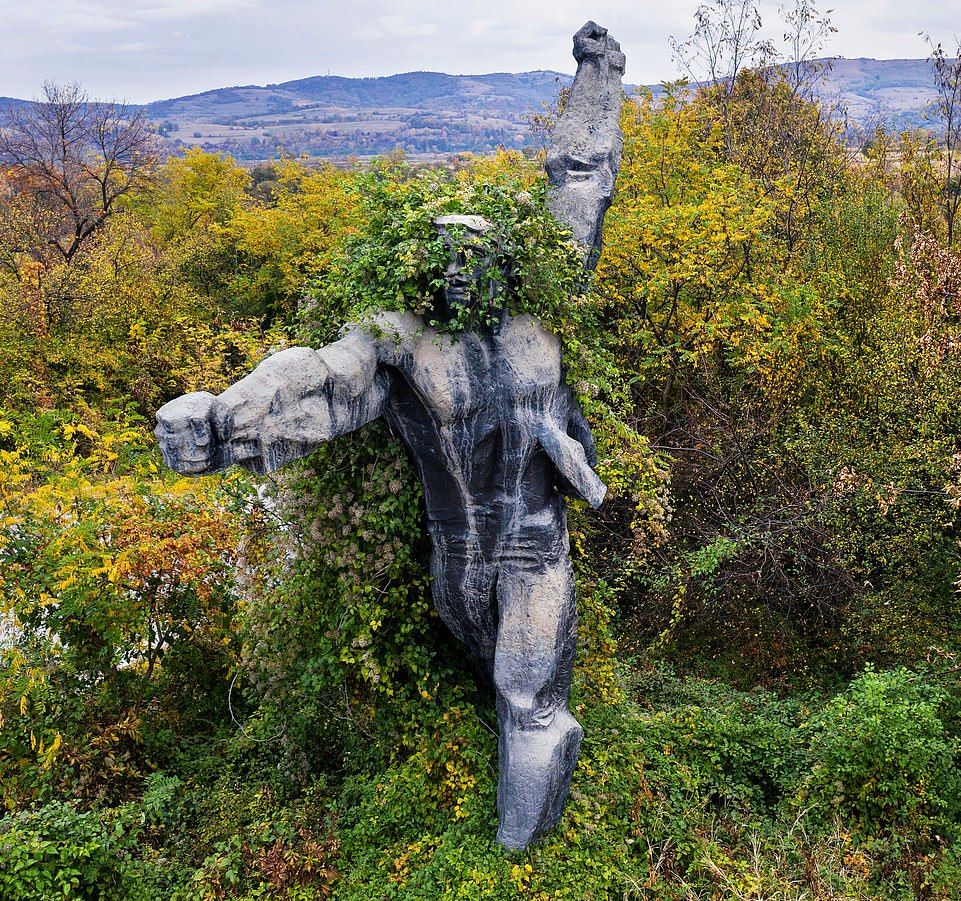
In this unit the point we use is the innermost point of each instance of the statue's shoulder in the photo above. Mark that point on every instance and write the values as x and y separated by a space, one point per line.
397 323
392 332
526 333
531 350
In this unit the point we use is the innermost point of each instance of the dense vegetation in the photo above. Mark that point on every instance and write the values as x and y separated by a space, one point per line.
236 687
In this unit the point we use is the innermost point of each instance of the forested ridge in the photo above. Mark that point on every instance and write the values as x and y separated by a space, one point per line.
236 688
434 114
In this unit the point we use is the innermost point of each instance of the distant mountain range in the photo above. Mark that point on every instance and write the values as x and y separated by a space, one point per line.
433 114
896 91
422 112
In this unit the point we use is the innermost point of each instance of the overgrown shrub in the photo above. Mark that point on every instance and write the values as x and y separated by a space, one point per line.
883 762
56 851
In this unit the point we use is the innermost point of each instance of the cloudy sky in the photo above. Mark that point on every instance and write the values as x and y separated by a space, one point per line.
142 50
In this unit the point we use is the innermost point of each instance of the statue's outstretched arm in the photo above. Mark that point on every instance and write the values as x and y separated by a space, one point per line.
584 154
291 403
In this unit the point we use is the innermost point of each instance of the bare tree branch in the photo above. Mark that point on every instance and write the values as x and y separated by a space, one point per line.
73 161
947 109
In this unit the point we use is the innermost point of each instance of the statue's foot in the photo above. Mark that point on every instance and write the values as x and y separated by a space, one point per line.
536 765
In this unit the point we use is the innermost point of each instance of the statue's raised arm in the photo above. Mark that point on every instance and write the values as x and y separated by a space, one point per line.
288 406
494 432
584 154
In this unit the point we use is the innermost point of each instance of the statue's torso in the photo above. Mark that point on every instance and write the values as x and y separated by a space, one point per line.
468 409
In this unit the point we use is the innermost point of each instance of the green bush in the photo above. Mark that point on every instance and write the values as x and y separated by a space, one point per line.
57 852
883 761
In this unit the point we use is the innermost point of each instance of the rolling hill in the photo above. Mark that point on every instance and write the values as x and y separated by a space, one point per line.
433 114
423 112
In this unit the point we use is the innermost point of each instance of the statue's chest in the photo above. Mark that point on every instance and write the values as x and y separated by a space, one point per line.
462 377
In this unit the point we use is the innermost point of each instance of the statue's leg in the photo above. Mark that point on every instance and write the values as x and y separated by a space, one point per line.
539 739
462 582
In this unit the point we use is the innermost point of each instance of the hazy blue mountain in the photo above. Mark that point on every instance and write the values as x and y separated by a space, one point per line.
7 103
893 90
327 115
432 113
412 90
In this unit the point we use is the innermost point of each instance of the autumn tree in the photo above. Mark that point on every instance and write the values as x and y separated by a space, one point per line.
761 99
918 181
726 39
947 112
70 162
806 30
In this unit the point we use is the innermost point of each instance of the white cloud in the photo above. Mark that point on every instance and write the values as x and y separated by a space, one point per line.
392 26
77 17
367 33
398 25
188 9
148 49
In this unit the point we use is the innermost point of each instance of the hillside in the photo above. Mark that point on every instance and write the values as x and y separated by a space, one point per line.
423 112
8 103
894 90
433 113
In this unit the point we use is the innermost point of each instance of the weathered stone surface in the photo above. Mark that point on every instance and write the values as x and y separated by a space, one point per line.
488 420
497 439
584 154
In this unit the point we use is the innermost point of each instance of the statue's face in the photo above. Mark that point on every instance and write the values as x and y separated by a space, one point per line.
466 272
470 281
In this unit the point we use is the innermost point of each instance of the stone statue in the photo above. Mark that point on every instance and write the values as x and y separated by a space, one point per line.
496 436
585 149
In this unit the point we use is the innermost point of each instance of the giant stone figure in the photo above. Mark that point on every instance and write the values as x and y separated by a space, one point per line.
496 436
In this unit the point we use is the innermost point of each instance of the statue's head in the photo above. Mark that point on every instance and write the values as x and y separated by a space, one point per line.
472 279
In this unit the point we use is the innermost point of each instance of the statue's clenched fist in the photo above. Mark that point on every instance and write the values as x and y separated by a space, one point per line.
594 41
194 433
